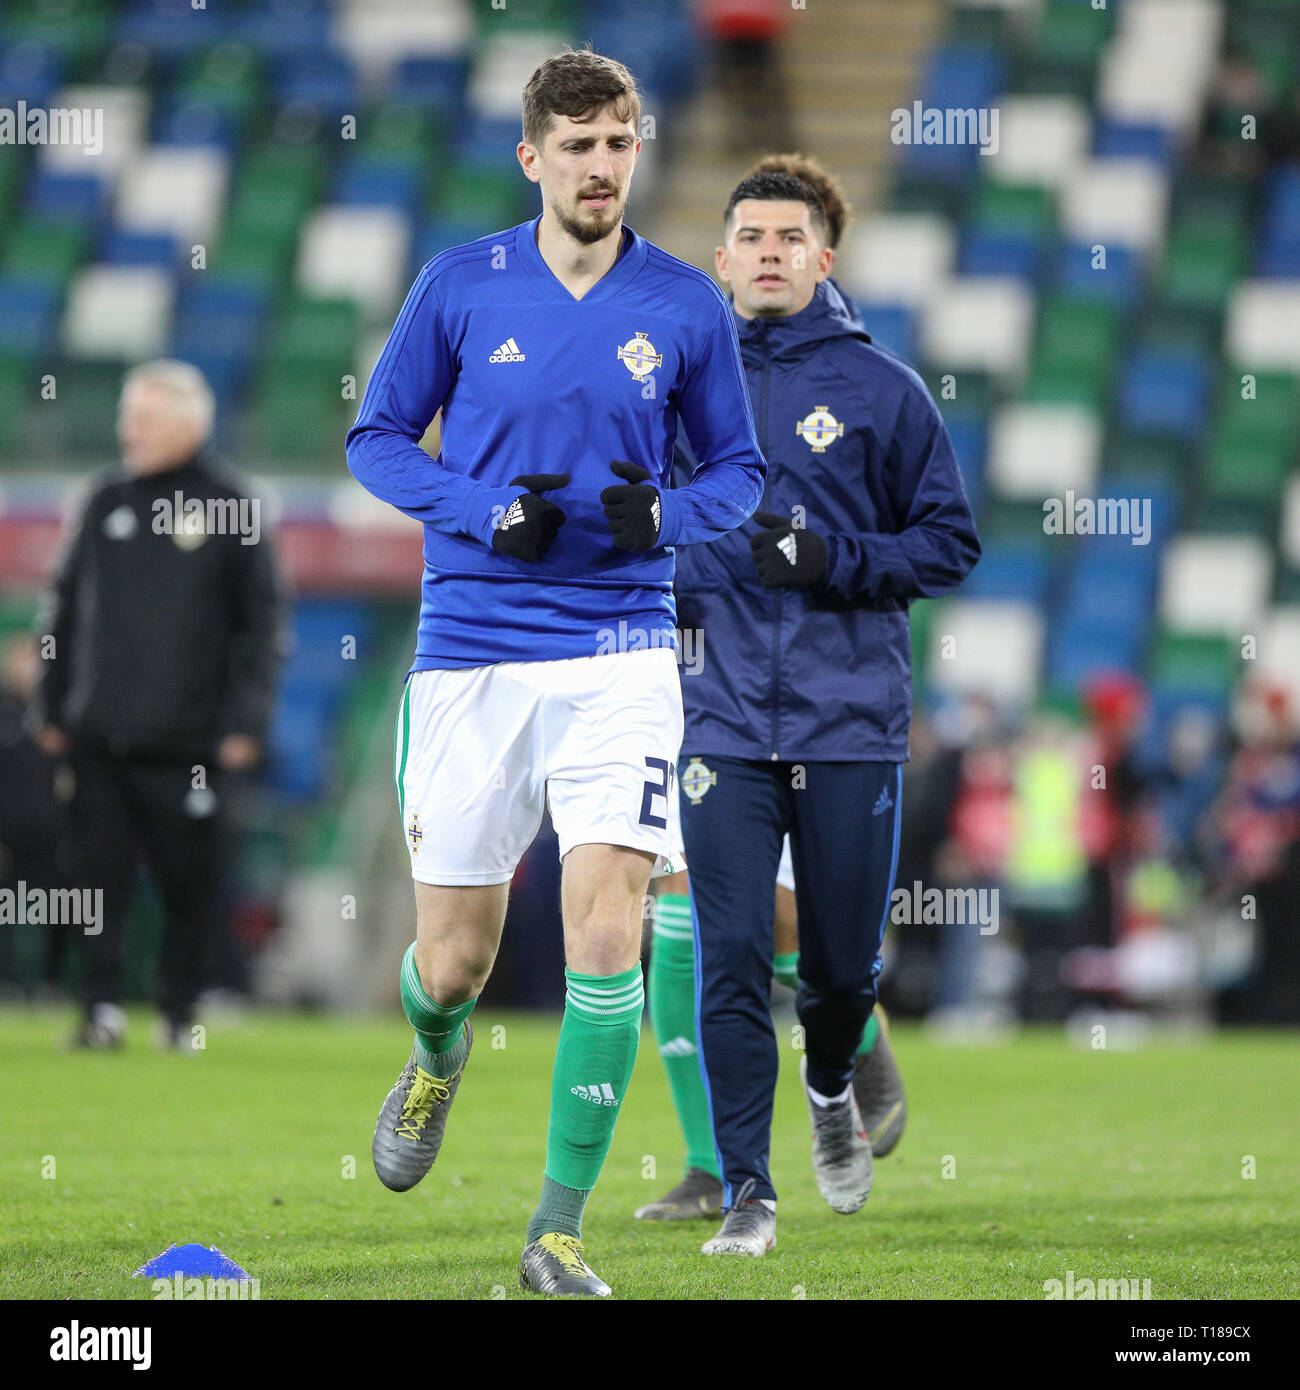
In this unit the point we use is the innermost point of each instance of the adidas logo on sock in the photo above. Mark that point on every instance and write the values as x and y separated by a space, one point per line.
678 1047
507 352
603 1094
883 802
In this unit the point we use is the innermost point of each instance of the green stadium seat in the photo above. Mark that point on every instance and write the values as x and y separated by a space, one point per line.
938 197
1273 412
1251 467
77 29
1054 382
1212 203
227 76
1223 515
497 198
1077 335
401 133
1071 34
1191 662
255 257
16 392
300 417
81 423
318 335
1162 460
1019 207
1201 267
1165 327
46 250
1005 519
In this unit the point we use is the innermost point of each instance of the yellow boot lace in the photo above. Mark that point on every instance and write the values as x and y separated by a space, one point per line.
426 1092
566 1249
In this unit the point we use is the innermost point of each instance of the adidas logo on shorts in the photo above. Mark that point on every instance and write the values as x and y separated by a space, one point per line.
507 352
597 1095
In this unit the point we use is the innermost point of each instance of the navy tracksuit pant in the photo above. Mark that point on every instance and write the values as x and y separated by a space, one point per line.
843 825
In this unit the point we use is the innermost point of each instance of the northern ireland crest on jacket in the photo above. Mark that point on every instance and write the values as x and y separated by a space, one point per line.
819 428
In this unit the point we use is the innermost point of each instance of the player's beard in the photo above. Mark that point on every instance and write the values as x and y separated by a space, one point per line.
602 221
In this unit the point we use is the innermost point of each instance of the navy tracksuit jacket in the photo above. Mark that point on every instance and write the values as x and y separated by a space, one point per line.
797 718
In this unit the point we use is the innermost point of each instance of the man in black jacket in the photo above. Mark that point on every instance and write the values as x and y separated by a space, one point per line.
161 637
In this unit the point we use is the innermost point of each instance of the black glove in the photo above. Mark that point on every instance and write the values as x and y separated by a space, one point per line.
530 523
786 557
633 511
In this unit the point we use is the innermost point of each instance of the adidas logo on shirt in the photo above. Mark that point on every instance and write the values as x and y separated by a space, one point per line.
507 352
597 1095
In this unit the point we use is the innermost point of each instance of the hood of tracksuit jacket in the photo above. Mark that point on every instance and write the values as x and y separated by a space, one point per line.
781 674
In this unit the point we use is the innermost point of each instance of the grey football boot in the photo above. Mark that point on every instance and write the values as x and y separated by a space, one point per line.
749 1227
409 1130
841 1151
699 1194
878 1089
553 1264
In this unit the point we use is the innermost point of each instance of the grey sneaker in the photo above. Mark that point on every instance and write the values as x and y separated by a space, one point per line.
103 1029
699 1194
749 1227
841 1151
553 1264
409 1130
878 1090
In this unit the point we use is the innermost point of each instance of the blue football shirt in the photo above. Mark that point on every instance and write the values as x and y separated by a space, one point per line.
531 380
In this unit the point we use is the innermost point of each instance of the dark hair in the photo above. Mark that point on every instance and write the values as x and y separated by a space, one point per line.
577 83
778 187
825 185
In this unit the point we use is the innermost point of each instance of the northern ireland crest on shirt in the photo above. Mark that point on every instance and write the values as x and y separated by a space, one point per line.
819 428
638 355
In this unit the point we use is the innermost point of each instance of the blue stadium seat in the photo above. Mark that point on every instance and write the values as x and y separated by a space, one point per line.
892 326
1010 570
195 123
325 81
438 82
1279 235
1120 280
661 51
29 72
1000 251
79 197
1166 392
123 247
1121 140
1079 647
218 327
173 28
961 75
29 314
364 182
969 435
489 141
286 28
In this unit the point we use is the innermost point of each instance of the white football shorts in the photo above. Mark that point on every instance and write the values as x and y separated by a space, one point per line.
483 751
785 870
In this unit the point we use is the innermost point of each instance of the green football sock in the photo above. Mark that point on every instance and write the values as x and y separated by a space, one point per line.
672 1016
786 969
438 1030
593 1065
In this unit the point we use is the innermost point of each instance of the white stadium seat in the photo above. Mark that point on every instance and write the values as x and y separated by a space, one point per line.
125 123
1160 64
356 253
1215 584
1277 656
1115 201
1039 450
178 189
504 64
119 313
1263 328
994 649
377 34
980 323
1041 139
900 257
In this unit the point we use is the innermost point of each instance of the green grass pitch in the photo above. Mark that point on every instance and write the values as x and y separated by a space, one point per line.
1020 1163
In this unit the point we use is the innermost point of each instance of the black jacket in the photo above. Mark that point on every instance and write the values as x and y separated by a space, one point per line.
163 631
